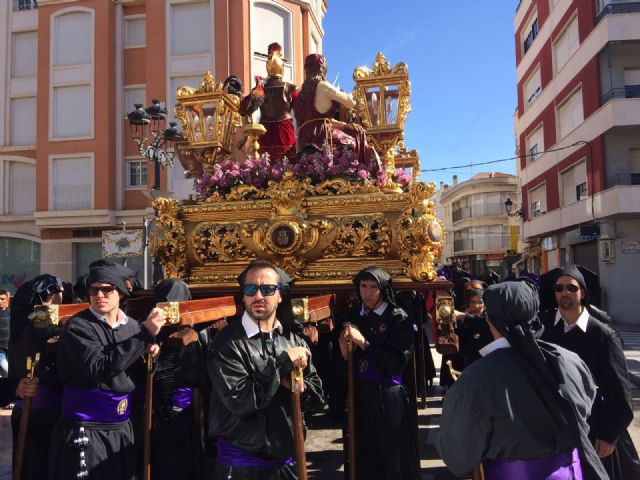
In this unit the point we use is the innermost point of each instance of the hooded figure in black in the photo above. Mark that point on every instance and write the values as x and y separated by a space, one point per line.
176 448
25 341
573 326
94 437
521 410
382 336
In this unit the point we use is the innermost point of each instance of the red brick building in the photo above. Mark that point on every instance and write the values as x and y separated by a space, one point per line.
72 69
578 136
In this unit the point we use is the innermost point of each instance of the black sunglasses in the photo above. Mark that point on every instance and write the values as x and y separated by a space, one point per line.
250 289
106 290
570 287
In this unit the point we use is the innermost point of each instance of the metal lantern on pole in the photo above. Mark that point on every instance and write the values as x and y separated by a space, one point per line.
382 103
209 117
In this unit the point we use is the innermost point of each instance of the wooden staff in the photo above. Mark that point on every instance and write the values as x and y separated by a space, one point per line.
148 414
24 420
298 428
351 410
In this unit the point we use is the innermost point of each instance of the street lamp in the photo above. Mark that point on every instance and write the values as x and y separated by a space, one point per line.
508 205
154 143
157 146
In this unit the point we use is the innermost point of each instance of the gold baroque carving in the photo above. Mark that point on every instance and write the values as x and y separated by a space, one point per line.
287 195
219 243
168 242
361 236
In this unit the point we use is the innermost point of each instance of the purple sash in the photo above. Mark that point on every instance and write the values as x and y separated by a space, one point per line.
47 397
234 457
182 397
95 405
367 371
562 466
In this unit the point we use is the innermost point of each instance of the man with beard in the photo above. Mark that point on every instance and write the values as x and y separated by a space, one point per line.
94 438
522 408
383 336
572 327
250 364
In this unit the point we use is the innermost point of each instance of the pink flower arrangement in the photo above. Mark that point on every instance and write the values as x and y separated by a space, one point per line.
319 166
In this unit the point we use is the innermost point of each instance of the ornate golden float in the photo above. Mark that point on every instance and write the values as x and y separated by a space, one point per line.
318 232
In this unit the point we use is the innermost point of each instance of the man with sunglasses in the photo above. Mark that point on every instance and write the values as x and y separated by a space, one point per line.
250 364
94 437
598 345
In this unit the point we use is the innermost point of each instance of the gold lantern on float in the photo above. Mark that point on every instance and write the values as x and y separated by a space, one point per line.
209 117
382 103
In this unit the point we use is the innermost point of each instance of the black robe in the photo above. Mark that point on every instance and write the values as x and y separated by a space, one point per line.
493 412
249 408
385 445
600 348
93 355
44 413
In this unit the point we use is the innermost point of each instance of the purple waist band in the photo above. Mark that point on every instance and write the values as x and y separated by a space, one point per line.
563 466
47 397
95 405
234 457
182 397
367 371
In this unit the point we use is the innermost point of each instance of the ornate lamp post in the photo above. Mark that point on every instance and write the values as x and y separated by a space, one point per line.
508 205
382 102
157 145
154 143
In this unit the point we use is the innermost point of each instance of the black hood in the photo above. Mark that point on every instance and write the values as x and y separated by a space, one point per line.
382 278
171 290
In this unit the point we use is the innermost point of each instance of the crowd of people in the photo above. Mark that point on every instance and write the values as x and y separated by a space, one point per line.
533 393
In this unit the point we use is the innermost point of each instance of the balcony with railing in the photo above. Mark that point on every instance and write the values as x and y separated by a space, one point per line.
628 91
24 5
616 7
72 197
623 179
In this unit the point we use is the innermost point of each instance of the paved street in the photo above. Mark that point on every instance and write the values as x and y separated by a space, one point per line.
324 447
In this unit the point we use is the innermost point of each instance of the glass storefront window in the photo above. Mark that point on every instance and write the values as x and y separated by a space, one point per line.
19 262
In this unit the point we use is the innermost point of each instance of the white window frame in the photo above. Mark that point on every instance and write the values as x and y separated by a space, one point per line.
562 103
128 162
542 202
5 179
554 45
528 28
11 51
127 106
540 143
72 75
9 125
92 176
258 48
536 93
574 185
129 18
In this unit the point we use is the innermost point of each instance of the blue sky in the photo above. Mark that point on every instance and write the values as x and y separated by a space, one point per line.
461 59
